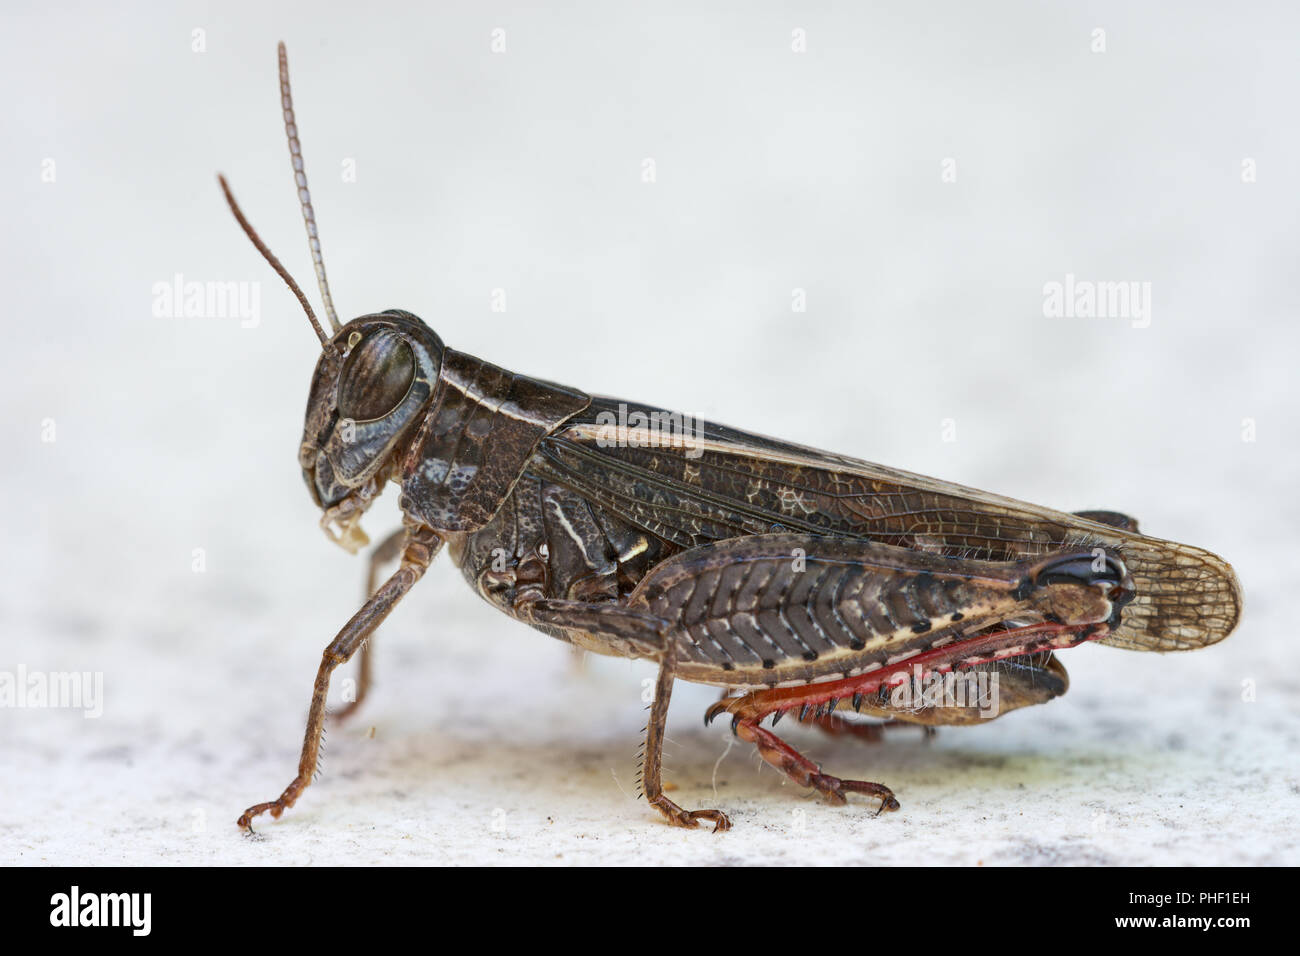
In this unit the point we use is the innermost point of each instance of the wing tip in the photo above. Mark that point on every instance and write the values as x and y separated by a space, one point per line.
1164 622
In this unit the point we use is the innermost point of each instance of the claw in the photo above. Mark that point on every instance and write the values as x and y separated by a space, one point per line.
690 819
719 707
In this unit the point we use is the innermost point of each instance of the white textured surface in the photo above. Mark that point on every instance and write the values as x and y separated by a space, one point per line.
521 171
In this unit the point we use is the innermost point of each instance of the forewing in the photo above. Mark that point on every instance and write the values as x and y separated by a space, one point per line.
708 482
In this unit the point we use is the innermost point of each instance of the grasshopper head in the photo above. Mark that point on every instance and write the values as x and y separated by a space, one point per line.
367 394
374 377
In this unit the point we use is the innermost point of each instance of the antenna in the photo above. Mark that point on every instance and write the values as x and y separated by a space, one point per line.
304 196
280 270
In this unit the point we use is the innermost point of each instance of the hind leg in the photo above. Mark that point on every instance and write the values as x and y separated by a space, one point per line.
836 726
833 725
806 773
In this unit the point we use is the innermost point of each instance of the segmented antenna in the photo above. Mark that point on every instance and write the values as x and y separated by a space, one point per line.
304 197
280 270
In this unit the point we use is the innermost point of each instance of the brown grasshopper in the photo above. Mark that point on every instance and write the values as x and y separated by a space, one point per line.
795 579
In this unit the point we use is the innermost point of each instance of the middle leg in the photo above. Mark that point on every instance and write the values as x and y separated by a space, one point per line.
645 634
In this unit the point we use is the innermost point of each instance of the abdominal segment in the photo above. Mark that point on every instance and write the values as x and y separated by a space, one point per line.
785 610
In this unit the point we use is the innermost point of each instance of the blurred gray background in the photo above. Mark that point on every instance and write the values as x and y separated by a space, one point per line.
916 172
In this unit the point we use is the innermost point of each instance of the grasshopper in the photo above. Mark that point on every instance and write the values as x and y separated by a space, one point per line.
797 580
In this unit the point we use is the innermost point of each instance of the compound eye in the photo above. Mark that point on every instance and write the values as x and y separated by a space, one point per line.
1081 569
376 376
